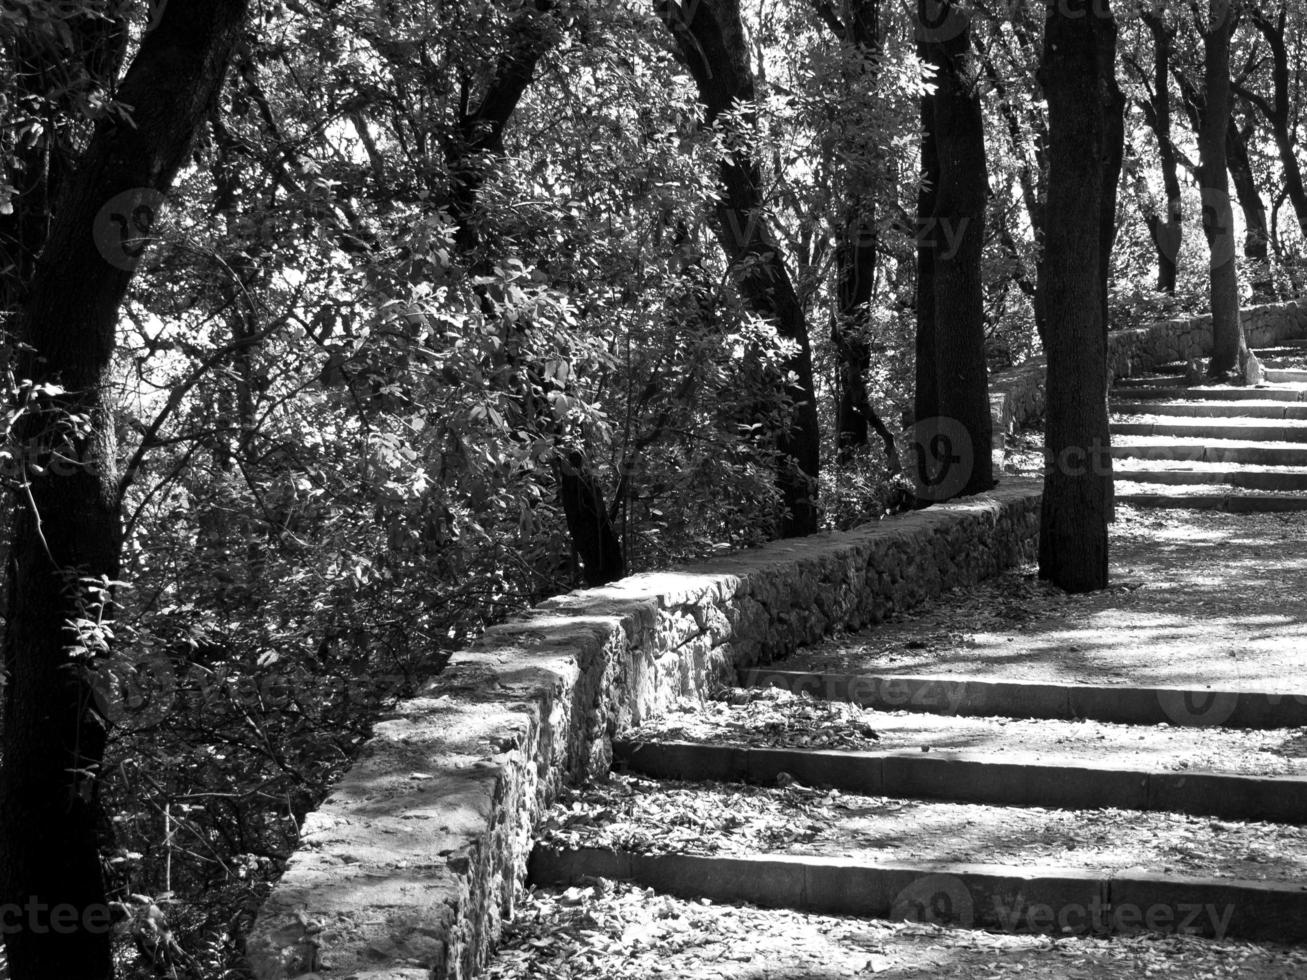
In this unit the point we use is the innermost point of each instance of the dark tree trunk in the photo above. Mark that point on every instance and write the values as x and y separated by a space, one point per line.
856 257
67 524
49 73
958 224
1077 480
1167 233
710 38
1229 350
1257 236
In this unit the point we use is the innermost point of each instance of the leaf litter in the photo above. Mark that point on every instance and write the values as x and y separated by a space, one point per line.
606 930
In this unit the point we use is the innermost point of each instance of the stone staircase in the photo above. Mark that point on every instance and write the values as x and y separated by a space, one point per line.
956 824
979 791
1177 444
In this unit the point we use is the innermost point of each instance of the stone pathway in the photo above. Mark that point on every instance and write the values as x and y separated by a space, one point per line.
1088 772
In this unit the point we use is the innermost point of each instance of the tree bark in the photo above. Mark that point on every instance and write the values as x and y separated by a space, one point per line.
1257 235
958 226
1229 349
1239 167
1168 234
1077 481
67 525
51 69
710 39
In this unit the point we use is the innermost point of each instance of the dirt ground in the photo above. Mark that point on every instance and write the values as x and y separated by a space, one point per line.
1197 599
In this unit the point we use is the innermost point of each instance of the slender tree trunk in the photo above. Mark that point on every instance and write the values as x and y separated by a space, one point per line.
961 377
926 401
1031 186
1229 350
580 491
856 258
1168 233
1077 482
1277 112
1257 236
67 527
710 37
1239 167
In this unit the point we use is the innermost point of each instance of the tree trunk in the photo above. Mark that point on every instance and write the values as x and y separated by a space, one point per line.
856 257
1077 480
1168 234
1257 236
49 74
926 401
958 219
710 38
1277 112
67 526
1240 170
1229 350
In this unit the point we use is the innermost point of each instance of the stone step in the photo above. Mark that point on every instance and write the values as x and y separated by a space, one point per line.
1035 898
1286 376
1153 381
985 697
1226 499
1252 430
1005 778
618 929
1215 410
1210 451
1219 394
1231 478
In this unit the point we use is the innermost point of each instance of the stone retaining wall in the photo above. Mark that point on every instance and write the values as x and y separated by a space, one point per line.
1017 395
410 867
